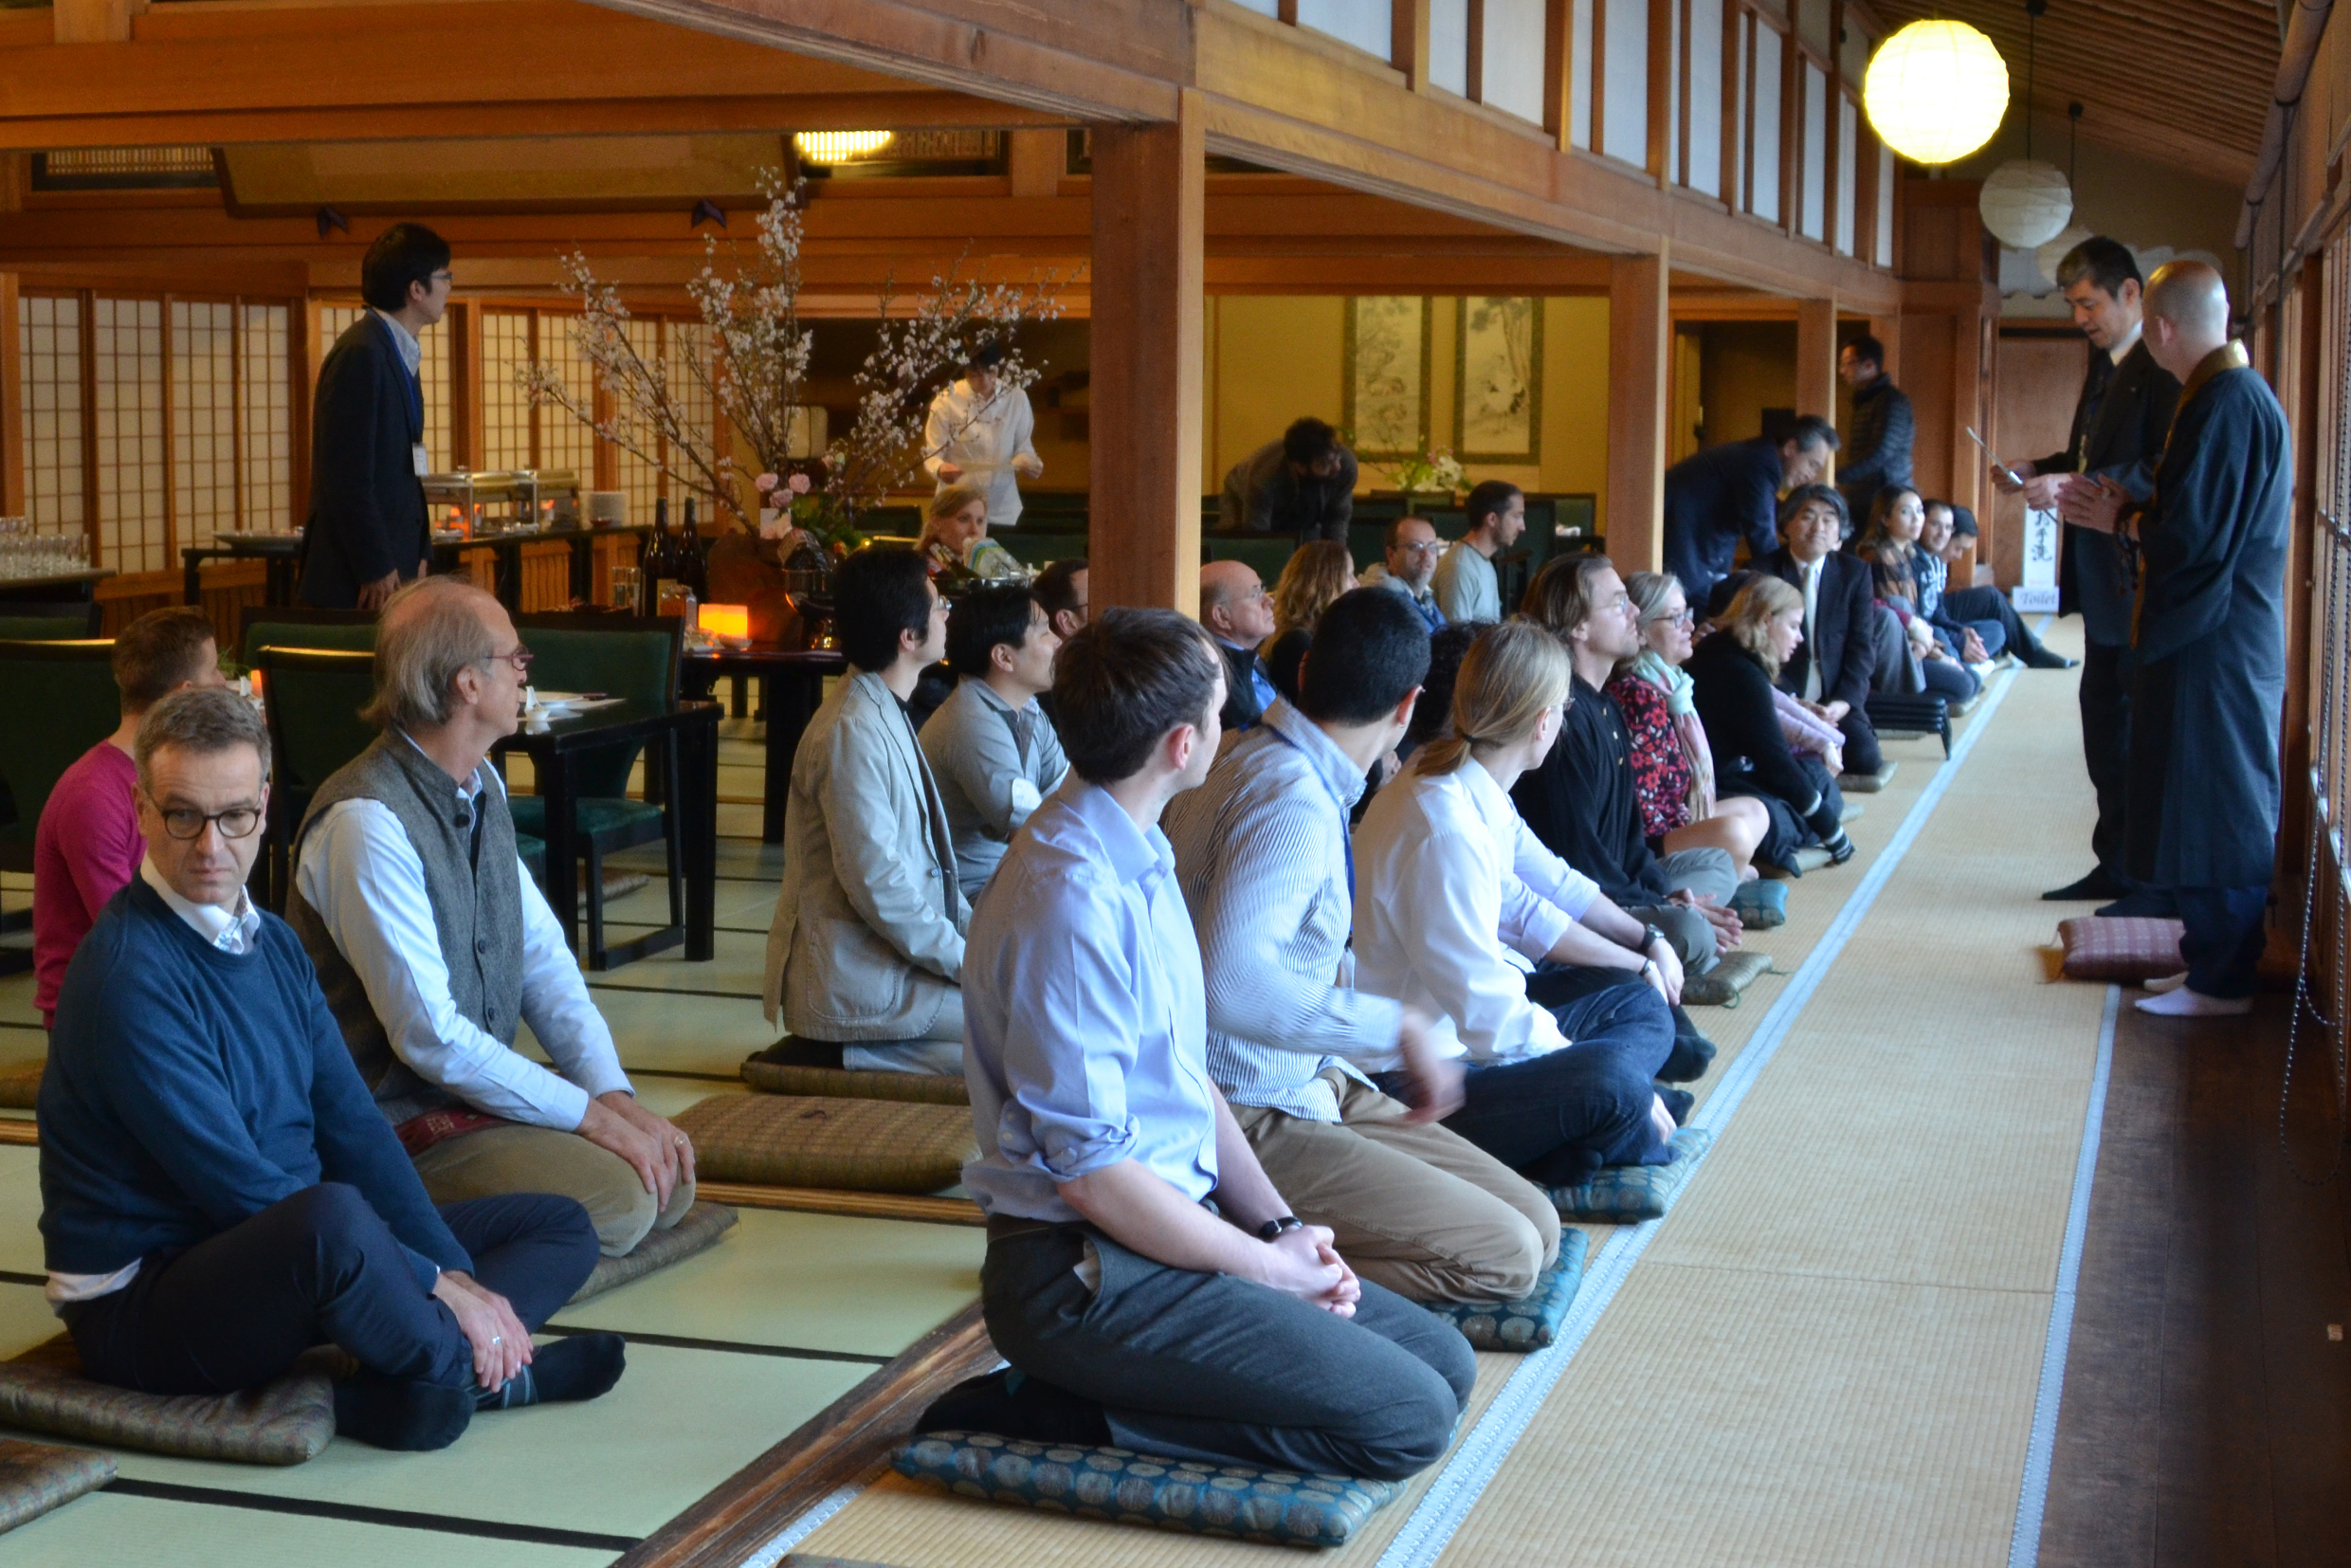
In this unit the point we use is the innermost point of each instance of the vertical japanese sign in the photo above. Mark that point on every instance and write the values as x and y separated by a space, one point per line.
2037 593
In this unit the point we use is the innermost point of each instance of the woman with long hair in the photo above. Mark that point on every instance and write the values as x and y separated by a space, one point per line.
1314 576
1890 545
1672 763
1455 900
955 536
1732 672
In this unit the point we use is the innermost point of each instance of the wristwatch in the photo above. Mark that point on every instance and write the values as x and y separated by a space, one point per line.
1273 1229
1651 937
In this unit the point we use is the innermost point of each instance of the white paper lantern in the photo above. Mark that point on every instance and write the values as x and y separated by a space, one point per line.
2026 202
2051 254
1935 91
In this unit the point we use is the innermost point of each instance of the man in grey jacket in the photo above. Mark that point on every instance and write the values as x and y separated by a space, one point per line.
866 949
989 745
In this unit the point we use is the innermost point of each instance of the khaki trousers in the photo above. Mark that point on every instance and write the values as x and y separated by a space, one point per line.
1412 1206
497 1161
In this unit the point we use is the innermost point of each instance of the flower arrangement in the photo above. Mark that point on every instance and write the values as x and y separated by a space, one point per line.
745 363
1432 471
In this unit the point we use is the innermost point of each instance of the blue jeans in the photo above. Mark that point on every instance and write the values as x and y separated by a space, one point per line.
2222 942
1558 1118
321 1266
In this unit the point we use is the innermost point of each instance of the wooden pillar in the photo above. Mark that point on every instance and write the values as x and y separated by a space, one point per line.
1640 341
1815 358
1035 161
1148 267
1407 42
464 325
11 403
1559 72
303 353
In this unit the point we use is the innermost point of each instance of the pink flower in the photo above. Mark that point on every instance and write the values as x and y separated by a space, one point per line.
799 485
765 483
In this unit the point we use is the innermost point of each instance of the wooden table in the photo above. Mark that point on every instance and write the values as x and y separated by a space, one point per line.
283 553
692 728
794 683
53 588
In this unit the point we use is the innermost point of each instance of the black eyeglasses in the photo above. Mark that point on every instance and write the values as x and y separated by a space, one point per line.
186 822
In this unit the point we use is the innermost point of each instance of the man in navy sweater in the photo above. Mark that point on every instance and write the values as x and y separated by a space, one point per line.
218 1192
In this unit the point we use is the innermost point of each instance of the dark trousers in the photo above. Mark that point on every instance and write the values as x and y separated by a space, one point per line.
2223 937
1213 1368
1953 683
322 1268
1554 985
1559 1117
1976 605
1861 743
2105 746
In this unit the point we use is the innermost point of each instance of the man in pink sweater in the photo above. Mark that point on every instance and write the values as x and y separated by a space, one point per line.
88 844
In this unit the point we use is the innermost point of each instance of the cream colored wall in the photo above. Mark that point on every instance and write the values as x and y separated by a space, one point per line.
1270 359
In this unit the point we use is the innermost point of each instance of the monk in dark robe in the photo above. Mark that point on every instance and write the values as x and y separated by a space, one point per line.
2208 644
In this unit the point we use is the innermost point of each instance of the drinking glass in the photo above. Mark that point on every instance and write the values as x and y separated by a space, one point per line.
626 581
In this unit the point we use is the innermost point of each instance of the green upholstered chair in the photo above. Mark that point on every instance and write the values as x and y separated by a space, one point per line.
634 657
297 626
57 701
1036 547
1267 552
313 698
49 623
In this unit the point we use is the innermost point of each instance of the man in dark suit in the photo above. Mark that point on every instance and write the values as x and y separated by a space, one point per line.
2119 426
1238 612
1717 497
366 531
1831 668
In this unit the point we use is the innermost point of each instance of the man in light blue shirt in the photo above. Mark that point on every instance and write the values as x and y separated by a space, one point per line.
1147 1283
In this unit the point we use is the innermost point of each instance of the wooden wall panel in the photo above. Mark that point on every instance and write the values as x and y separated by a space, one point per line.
1640 337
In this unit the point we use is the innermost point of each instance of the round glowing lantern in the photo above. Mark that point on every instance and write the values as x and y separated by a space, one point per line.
1935 91
2026 202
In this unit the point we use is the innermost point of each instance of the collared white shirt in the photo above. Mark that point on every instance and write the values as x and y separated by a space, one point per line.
1812 604
361 873
1454 899
2125 344
411 352
982 439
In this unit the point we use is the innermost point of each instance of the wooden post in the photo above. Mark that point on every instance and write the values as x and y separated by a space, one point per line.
11 402
1640 341
464 325
1559 72
1148 271
1815 358
303 353
1407 42
1660 68
1035 160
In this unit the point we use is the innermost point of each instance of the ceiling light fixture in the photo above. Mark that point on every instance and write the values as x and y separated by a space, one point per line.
1935 91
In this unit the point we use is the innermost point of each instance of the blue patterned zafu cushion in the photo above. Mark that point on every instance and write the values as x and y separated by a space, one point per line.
1279 1507
1761 903
1523 1325
1625 1194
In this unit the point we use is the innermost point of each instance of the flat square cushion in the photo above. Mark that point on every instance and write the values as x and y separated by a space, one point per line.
1278 1507
1722 985
1529 1325
20 1085
698 1230
284 1422
1625 1195
768 1075
36 1477
1867 783
2120 949
850 1145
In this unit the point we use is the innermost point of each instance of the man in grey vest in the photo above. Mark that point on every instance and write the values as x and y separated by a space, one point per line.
432 944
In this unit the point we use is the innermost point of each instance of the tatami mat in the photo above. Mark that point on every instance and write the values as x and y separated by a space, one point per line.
112 1528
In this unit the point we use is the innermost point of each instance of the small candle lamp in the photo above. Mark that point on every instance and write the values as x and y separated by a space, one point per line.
729 624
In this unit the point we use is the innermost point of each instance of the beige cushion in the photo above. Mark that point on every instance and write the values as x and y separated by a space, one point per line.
280 1423
928 1089
1721 986
852 1145
698 1230
36 1477
20 1085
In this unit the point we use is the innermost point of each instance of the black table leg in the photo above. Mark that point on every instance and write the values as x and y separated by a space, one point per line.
792 702
553 772
583 568
698 820
191 586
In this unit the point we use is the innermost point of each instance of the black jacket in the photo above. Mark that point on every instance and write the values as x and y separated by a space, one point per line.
2120 424
1877 451
1843 637
1581 802
366 510
1242 708
1714 499
1734 698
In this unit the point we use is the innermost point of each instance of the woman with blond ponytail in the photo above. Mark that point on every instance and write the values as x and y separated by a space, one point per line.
1456 900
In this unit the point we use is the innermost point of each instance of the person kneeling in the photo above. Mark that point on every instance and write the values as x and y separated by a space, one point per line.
432 943
1132 1311
1556 1092
219 1193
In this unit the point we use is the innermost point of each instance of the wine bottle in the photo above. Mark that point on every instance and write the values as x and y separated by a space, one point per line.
661 569
697 553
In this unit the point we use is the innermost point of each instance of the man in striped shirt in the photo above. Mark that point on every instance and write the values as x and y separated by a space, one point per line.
1262 854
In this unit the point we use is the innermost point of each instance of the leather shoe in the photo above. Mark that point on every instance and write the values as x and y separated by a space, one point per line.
2099 884
2148 903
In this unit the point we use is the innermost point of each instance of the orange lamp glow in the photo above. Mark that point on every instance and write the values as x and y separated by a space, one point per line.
726 620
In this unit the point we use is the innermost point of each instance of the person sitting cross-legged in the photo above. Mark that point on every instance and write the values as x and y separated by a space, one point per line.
1132 1311
433 944
865 950
991 747
1455 901
219 1193
1263 855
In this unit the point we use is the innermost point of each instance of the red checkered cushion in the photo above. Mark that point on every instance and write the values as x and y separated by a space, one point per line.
2112 949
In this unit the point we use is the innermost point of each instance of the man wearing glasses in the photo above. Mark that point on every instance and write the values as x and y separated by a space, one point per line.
366 531
433 944
218 1196
1410 564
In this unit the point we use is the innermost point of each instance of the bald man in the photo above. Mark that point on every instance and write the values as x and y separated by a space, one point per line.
2209 648
432 943
1238 612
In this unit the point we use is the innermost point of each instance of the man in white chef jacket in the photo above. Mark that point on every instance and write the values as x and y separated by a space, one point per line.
981 433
